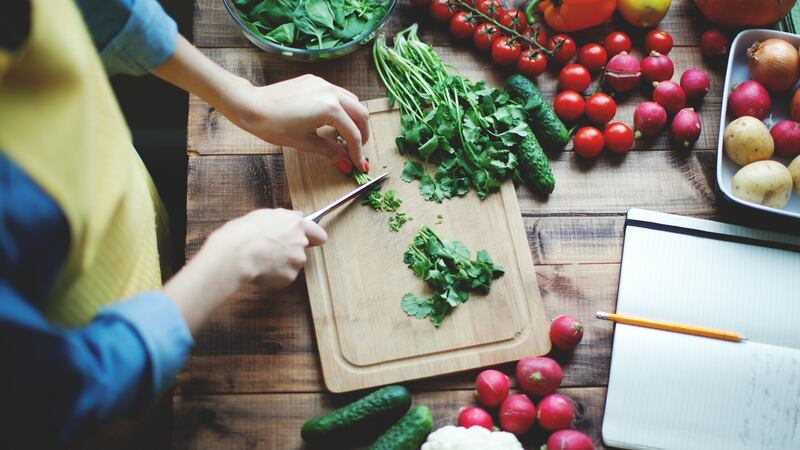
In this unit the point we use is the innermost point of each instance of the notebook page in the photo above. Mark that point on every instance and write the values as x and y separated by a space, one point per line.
751 290
675 391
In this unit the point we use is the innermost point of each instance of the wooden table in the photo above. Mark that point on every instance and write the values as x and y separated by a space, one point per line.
254 375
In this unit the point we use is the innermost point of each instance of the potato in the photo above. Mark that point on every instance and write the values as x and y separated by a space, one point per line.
794 170
747 140
764 182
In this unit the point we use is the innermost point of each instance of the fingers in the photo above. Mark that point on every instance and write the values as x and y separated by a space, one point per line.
315 234
348 129
359 114
327 147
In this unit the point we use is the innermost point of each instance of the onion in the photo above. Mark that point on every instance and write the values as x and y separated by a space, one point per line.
774 63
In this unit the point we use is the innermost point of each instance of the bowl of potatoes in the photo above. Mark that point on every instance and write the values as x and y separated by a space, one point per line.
757 166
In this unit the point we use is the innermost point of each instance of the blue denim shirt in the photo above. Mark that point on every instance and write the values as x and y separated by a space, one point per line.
57 383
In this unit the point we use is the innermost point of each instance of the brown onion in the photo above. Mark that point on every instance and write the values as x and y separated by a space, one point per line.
774 63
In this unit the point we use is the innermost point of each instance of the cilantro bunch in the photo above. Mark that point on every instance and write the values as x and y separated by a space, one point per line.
447 268
472 133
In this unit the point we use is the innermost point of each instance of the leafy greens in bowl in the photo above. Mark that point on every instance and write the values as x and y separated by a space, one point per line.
310 29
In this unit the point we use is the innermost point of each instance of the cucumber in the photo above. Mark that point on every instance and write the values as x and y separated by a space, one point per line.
408 433
369 415
534 167
549 129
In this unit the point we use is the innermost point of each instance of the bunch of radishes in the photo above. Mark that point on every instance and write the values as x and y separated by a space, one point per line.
537 377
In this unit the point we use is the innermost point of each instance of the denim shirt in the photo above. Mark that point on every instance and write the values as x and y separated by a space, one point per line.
57 383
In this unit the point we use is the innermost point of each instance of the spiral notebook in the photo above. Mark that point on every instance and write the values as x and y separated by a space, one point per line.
674 391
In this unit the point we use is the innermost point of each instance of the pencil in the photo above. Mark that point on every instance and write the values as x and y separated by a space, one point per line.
670 326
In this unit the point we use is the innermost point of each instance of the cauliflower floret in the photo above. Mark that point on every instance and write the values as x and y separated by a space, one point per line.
473 438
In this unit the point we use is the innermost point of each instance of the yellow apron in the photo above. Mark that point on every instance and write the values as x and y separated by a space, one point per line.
60 122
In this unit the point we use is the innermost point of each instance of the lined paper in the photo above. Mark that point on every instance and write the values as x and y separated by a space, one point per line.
674 391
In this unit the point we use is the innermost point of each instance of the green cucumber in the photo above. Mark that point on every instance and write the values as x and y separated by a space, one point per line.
370 414
534 167
549 129
408 433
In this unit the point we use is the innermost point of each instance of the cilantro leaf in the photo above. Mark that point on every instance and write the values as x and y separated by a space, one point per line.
417 307
412 170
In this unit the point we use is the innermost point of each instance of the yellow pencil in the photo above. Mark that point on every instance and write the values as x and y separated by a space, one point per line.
670 326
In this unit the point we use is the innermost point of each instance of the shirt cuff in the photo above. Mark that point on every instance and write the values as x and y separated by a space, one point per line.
162 329
146 41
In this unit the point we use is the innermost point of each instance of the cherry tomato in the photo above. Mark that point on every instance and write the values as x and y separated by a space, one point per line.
588 142
514 19
593 56
569 105
600 108
531 63
440 11
505 51
617 42
484 36
491 8
659 41
462 25
574 77
565 52
618 137
421 3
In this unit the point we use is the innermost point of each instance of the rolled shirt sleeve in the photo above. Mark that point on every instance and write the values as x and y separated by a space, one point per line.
133 36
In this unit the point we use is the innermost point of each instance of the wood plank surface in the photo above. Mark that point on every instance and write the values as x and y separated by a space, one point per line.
211 133
273 421
213 26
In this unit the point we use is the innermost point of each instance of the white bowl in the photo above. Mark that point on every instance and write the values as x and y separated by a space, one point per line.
737 73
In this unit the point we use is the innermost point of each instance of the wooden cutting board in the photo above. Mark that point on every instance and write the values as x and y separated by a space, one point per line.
357 279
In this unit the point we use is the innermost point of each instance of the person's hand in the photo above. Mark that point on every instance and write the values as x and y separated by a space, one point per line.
290 112
266 247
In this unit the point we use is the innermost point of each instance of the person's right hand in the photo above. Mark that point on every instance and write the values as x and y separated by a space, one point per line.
266 246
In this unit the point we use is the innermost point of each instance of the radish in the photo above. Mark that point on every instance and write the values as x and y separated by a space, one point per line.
568 440
657 67
472 416
492 387
623 72
566 332
694 83
517 414
786 135
649 118
749 99
555 412
686 127
538 375
714 43
669 95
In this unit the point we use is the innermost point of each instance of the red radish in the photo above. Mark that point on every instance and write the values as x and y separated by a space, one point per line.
686 127
555 412
517 414
623 72
472 416
538 375
566 332
657 67
714 43
749 99
568 440
694 83
649 118
669 95
786 135
492 387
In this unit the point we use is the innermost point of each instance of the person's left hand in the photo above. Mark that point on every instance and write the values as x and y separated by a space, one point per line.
290 112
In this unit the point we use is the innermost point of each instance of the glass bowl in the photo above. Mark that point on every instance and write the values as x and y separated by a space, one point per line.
301 54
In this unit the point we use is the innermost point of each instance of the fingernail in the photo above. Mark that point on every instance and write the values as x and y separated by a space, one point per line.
366 166
344 166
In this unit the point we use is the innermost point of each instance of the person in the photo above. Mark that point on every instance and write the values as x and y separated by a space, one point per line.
87 332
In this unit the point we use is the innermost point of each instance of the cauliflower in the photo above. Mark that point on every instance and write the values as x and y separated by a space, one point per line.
472 438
